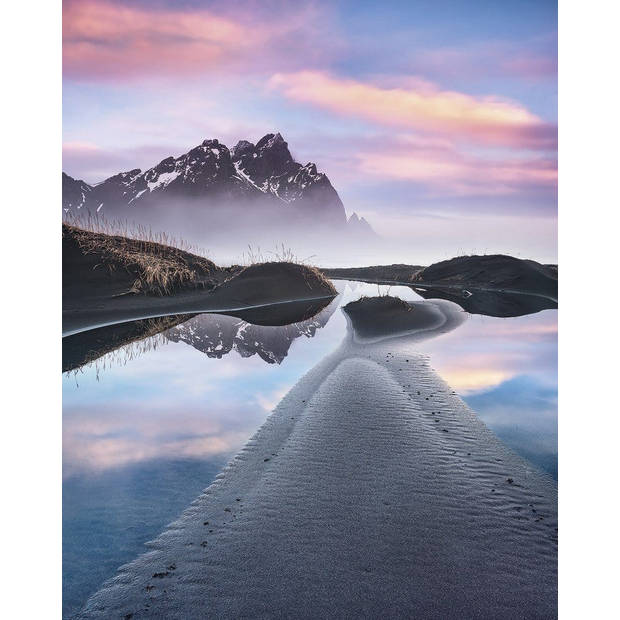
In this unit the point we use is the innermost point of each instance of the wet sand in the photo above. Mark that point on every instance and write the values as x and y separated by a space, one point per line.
371 491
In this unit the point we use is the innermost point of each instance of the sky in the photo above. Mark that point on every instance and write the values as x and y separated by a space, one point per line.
431 118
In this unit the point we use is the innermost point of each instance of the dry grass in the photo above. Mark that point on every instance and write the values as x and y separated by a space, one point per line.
281 254
153 336
118 357
382 302
123 228
159 268
314 279
163 264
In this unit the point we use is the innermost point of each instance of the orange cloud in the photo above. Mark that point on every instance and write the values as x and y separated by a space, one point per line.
474 379
424 107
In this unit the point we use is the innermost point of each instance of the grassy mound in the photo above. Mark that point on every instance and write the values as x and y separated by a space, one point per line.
277 280
132 265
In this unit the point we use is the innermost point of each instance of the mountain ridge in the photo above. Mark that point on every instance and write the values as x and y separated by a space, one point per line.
261 176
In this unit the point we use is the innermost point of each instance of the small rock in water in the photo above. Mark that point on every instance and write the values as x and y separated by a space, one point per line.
510 480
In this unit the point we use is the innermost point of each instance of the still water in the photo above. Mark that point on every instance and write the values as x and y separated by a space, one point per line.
149 425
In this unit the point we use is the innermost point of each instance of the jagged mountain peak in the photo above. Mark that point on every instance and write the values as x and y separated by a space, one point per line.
271 140
241 148
264 173
268 158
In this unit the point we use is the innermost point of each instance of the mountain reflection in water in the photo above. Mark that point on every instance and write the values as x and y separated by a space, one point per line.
490 303
267 332
217 335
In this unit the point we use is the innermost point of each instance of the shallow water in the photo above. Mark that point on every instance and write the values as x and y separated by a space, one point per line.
148 426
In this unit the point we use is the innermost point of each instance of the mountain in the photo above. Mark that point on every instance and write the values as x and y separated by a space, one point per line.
258 178
359 226
74 193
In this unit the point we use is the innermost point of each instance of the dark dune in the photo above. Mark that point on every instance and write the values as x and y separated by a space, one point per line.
275 281
397 272
97 264
112 279
379 318
494 271
504 273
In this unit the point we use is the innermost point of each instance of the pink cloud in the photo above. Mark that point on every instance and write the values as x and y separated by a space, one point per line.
434 163
103 39
423 107
440 166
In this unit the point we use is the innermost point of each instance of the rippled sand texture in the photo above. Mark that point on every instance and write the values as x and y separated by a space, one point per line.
372 491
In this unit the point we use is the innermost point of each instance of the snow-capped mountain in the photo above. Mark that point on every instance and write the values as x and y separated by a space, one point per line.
262 174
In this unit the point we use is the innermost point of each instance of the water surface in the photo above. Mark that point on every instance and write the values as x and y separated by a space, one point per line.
148 426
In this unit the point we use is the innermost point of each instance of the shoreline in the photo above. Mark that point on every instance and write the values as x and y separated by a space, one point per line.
372 489
169 306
